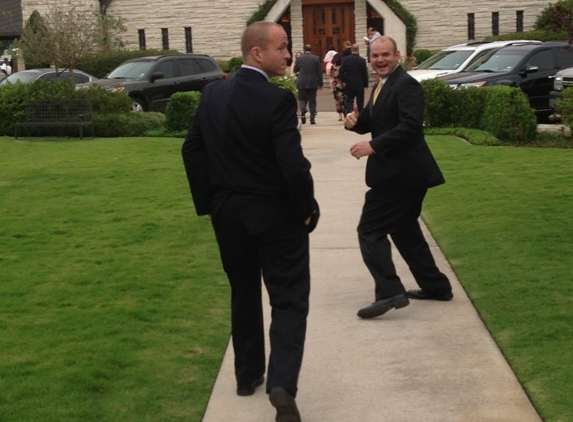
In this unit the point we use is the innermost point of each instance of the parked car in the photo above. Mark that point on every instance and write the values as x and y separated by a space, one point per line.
150 81
530 67
458 57
563 79
48 74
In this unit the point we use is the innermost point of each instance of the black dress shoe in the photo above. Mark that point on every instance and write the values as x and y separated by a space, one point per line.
285 405
380 307
249 389
303 120
312 122
425 295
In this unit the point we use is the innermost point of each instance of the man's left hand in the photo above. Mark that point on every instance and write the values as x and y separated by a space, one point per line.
361 149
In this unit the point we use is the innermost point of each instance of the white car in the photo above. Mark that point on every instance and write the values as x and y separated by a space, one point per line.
458 57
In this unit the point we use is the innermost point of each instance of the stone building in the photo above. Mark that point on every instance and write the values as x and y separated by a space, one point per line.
214 27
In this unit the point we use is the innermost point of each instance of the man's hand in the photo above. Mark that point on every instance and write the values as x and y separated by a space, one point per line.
361 149
351 118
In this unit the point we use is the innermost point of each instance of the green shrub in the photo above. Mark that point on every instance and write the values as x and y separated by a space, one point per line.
104 101
564 106
537 34
287 81
471 102
180 110
440 103
475 136
508 115
234 64
423 55
113 125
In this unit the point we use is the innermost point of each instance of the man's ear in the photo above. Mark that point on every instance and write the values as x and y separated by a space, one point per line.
256 54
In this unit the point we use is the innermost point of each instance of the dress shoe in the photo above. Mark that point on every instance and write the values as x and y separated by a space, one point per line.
303 120
312 122
249 389
425 295
382 306
285 405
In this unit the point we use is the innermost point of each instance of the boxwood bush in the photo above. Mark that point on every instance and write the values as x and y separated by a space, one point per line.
180 110
501 110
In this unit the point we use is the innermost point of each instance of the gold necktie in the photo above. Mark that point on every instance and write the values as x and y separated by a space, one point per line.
377 91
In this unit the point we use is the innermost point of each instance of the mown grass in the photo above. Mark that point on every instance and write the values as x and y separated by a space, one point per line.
114 307
503 219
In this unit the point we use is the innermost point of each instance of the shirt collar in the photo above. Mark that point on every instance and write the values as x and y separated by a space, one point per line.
256 69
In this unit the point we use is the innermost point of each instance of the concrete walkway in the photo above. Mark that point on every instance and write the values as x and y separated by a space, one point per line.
430 361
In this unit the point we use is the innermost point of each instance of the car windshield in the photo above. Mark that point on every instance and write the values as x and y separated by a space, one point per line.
24 77
445 60
497 61
132 70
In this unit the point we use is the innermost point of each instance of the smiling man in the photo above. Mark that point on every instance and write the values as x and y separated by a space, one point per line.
399 171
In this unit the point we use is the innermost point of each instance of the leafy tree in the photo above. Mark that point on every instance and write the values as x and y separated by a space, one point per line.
557 18
66 34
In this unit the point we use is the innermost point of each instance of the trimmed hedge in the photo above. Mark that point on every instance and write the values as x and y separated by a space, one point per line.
501 110
180 110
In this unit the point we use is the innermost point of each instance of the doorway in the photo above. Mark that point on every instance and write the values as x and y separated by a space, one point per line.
328 24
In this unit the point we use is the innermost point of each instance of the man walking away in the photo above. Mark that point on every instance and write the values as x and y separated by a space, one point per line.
309 81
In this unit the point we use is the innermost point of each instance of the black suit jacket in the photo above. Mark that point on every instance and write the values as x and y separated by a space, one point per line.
309 72
244 142
402 159
354 72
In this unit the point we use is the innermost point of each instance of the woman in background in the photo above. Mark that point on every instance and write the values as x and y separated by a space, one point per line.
336 85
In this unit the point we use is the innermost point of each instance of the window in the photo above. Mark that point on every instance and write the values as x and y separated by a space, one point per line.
188 67
471 26
542 60
141 33
519 21
188 40
166 67
165 38
495 23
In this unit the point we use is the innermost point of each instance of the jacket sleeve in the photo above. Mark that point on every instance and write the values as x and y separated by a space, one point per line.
196 167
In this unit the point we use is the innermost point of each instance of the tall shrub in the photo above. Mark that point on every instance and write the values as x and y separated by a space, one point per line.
508 115
440 103
180 110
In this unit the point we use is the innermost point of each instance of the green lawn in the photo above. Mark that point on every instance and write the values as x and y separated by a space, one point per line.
114 307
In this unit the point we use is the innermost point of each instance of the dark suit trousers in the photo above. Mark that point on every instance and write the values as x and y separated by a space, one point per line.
307 97
396 214
281 256
349 95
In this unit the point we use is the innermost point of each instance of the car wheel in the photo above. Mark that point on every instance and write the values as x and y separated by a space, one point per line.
138 105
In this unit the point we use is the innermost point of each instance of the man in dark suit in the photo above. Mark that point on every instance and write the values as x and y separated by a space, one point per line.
399 171
246 169
308 82
354 75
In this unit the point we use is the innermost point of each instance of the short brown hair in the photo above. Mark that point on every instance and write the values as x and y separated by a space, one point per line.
256 35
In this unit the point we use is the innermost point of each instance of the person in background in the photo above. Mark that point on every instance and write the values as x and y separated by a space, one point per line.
399 171
246 170
354 75
337 86
6 67
308 82
329 55
296 56
347 49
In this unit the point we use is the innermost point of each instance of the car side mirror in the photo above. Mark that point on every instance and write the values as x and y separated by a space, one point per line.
531 69
157 75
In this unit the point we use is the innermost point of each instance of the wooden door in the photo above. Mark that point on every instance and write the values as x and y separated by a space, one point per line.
328 24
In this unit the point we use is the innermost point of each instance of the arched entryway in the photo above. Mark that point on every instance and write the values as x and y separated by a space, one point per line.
326 23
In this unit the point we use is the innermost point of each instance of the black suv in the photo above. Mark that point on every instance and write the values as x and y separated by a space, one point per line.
530 67
150 81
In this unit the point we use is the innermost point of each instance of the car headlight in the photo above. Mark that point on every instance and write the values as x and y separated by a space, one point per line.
558 82
116 89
